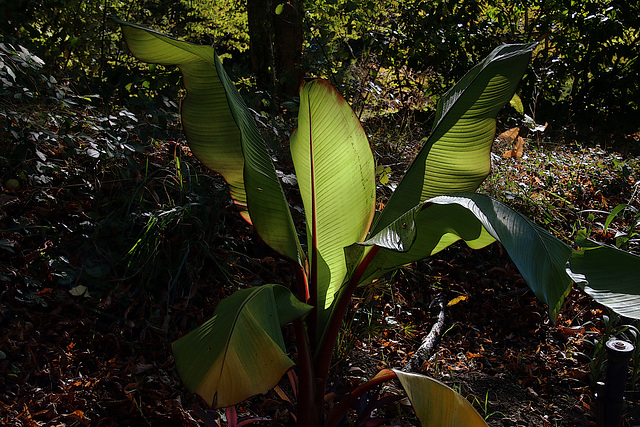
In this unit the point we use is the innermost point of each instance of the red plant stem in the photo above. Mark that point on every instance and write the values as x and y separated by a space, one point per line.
309 414
232 416
341 408
325 349
302 284
312 317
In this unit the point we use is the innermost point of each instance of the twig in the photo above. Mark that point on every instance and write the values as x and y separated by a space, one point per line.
425 349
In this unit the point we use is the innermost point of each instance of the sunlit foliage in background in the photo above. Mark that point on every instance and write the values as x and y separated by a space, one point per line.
384 56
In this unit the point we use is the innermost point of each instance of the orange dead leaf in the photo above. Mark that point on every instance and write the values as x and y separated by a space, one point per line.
78 413
518 149
510 135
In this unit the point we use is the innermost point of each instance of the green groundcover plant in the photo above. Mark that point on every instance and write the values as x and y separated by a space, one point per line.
240 351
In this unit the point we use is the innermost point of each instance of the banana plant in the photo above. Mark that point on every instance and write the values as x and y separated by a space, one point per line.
240 351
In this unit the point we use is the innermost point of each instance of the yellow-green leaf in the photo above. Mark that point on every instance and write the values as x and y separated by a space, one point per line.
436 404
335 170
221 133
240 351
456 156
516 103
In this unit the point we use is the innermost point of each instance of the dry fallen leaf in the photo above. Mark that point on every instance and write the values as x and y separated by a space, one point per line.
510 135
78 291
518 149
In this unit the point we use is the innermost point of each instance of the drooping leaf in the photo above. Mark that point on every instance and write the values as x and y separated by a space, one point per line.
609 275
240 351
335 170
456 156
290 308
222 133
420 233
436 404
212 133
478 220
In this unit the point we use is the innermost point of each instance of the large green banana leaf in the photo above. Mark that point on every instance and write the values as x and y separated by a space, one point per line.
436 404
478 220
456 156
608 275
240 351
222 133
335 170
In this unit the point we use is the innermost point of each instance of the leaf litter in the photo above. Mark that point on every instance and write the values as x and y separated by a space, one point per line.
86 324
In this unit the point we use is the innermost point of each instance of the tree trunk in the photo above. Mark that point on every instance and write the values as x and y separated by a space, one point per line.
261 43
275 42
288 47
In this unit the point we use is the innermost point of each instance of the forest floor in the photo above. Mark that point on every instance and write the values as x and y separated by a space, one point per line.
110 251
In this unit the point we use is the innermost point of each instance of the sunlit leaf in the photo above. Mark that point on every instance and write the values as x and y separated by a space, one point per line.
221 132
516 103
457 300
218 359
510 135
478 220
335 170
456 156
436 404
518 149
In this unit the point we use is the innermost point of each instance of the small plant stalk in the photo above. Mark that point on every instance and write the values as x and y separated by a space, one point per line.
341 408
618 354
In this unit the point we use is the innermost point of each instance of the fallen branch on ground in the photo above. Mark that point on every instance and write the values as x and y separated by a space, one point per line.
427 346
